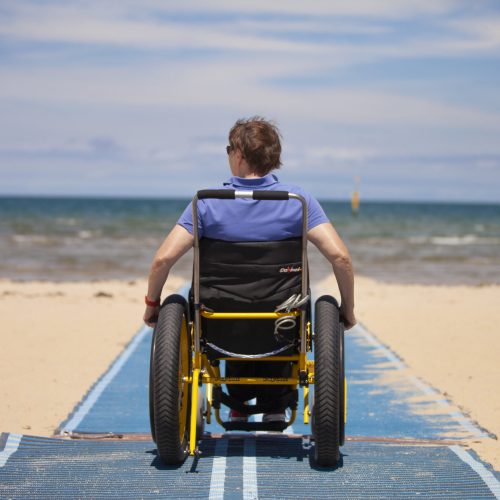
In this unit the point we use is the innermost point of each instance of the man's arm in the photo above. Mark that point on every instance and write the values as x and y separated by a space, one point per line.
175 245
333 248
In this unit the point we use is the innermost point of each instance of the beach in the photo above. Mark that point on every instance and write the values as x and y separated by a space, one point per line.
427 286
58 338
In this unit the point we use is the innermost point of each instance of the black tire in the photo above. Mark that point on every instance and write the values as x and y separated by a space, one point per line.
151 389
327 375
171 358
342 398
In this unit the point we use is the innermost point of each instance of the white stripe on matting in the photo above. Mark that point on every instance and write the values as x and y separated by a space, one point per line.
490 480
375 343
218 477
250 490
459 417
11 447
98 389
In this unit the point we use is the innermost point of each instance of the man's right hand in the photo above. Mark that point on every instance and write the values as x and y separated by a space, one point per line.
347 318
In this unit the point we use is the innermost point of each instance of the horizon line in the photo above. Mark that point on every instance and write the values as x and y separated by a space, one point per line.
187 198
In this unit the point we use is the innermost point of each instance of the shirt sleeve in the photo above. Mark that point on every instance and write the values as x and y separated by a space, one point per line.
186 219
316 214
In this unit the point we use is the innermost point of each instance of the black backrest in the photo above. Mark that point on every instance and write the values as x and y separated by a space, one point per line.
248 277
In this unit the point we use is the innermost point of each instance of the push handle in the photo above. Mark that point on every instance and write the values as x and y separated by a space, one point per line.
221 194
231 194
270 195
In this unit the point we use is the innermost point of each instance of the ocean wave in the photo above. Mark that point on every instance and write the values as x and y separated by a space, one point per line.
24 239
85 235
467 239
456 240
42 239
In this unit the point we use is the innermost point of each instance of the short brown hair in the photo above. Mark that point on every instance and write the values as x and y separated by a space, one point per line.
259 143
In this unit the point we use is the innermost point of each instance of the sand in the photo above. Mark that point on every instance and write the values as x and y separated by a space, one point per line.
58 338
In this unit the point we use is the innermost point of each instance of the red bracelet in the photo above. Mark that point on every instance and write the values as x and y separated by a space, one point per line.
152 303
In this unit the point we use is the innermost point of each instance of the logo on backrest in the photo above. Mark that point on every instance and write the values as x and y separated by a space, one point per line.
291 269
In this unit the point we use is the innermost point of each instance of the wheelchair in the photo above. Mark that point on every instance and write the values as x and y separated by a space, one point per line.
249 303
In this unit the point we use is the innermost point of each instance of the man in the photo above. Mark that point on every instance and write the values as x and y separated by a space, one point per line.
254 151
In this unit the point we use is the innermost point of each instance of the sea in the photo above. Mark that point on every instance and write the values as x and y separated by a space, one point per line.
75 239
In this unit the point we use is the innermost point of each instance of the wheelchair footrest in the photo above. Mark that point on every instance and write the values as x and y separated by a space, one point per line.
255 426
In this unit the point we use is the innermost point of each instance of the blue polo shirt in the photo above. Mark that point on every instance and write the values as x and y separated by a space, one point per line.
254 220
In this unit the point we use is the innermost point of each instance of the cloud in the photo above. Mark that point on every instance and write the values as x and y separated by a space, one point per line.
95 147
146 35
228 84
387 9
148 88
478 34
242 26
347 155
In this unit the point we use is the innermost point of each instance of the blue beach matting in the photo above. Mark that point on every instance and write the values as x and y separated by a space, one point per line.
404 440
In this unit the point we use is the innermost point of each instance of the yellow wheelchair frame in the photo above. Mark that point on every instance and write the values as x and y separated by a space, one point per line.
195 369
210 375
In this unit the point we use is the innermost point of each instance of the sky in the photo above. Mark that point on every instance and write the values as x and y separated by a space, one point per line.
136 97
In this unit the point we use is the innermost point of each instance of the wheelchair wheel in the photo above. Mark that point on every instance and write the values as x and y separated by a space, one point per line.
327 382
170 395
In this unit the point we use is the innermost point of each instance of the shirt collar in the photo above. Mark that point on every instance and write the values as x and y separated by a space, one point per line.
267 180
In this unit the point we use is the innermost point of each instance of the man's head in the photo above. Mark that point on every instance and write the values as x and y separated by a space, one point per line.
258 142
